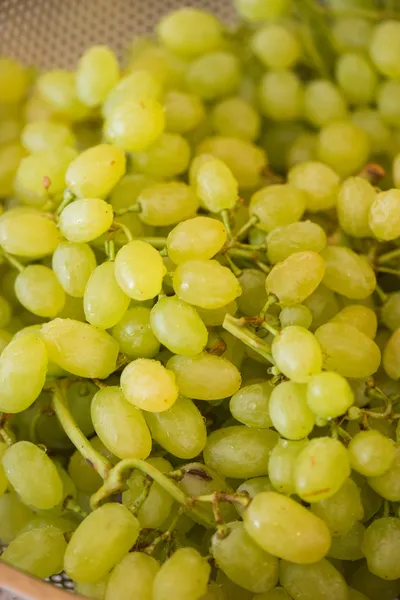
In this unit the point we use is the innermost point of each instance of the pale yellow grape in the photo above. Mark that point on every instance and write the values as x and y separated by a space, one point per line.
22 462
214 75
236 117
250 405
289 412
135 125
96 74
168 203
184 576
197 238
134 334
15 516
57 89
276 47
14 81
329 395
140 85
104 302
352 33
323 103
95 172
354 201
73 264
205 376
388 102
296 237
257 11
85 219
133 576
105 536
360 359
388 484
10 158
356 77
253 296
23 368
296 314
342 510
80 348
377 130
286 529
5 312
297 353
96 590
180 430
303 149
384 48
281 95
381 546
296 278
359 316
168 157
147 384
348 273
319 182
38 290
277 205
344 147
281 464
183 112
27 232
190 32
216 186
139 270
46 135
306 582
384 215
391 355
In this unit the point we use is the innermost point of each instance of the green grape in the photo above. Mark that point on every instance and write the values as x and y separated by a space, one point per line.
378 132
323 103
384 48
239 452
214 592
46 135
10 158
10 130
134 125
355 199
216 316
371 453
58 90
388 102
28 232
205 283
3 478
257 11
348 546
352 33
168 157
303 149
215 185
5 339
321 468
165 66
133 577
183 112
14 81
96 357
277 141
119 425
381 547
254 486
40 176
348 273
139 270
343 146
302 236
23 368
73 264
205 376
147 384
96 591
281 464
250 405
391 355
214 75
253 296
281 95
286 529
134 334
5 312
390 311
289 411
329 395
396 170
319 183
342 510
359 359
307 582
199 238
297 353
95 172
243 561
22 462
84 475
104 302
39 552
97 73
356 78
377 588
14 517
237 118
86 219
126 193
190 32
384 215
137 86
296 278
167 203
277 205
276 47
100 542
296 314
64 524
155 509
38 290
184 576
245 160
73 309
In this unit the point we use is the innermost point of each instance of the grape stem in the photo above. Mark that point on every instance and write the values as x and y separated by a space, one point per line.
13 261
81 443
242 498
163 537
383 296
233 267
134 208
67 199
388 256
157 242
237 328
242 231
225 217
6 433
125 230
389 271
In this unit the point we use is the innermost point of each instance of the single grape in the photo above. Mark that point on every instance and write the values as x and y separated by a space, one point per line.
134 125
276 46
14 516
302 149
213 75
388 102
73 264
348 273
184 576
97 73
168 157
296 278
384 48
277 205
301 236
164 204
134 334
348 546
96 591
324 103
139 270
139 85
384 215
361 317
183 112
147 384
237 118
57 89
190 32
381 547
340 511
104 302
319 183
86 219
377 130
296 314
281 95
196 238
376 587
297 353
281 465
38 290
28 232
343 146
46 135
289 411
356 77
215 185
371 453
306 582
134 575
250 405
329 395
352 33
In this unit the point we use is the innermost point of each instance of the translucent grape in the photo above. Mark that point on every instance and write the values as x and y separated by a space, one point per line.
340 511
73 264
354 202
281 95
356 78
296 278
197 238
139 270
297 353
183 112
237 118
167 203
96 591
388 102
329 395
133 575
190 32
27 232
381 547
57 89
289 412
348 546
14 81
250 405
137 86
371 453
296 237
97 73
348 273
319 183
168 157
390 311
148 385
391 355
184 576
14 517
323 103
286 529
277 205
253 296
135 125
86 219
384 215
384 48
213 75
352 33
38 290
216 186
281 465
378 132
46 135
305 582
95 172
376 588
134 334
259 10
296 314
104 302
276 47
343 146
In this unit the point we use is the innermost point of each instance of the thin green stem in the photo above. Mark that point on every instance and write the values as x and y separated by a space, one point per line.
383 296
125 230
234 268
270 301
263 267
134 208
388 256
242 499
269 328
243 231
67 199
251 247
109 248
389 271
157 242
225 217
13 261
237 328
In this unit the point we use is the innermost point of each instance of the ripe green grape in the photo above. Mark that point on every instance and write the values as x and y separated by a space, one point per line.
376 587
205 376
281 465
139 85
343 146
168 157
348 273
296 314
197 238
348 546
391 355
301 236
381 547
297 353
277 205
236 117
65 524
73 264
104 302
86 219
96 357
296 278
216 186
239 452
323 103
213 75
22 462
97 73
286 529
147 384
14 81
384 215
96 591
384 48
95 172
388 102
377 130
329 395
14 516
259 10
306 582
276 46
133 576
253 296
84 476
321 469
361 317
184 576
216 316
100 542
38 290
371 453
340 511
139 270
27 232
250 405
352 33
134 334
281 95
390 311
10 158
289 411
190 32
46 135
57 89
319 183
167 203
303 149
356 77
359 359
5 312
183 112
134 125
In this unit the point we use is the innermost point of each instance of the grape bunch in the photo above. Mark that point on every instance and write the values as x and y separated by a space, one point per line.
200 309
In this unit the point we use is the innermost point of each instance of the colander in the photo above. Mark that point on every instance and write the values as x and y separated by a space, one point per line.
54 33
